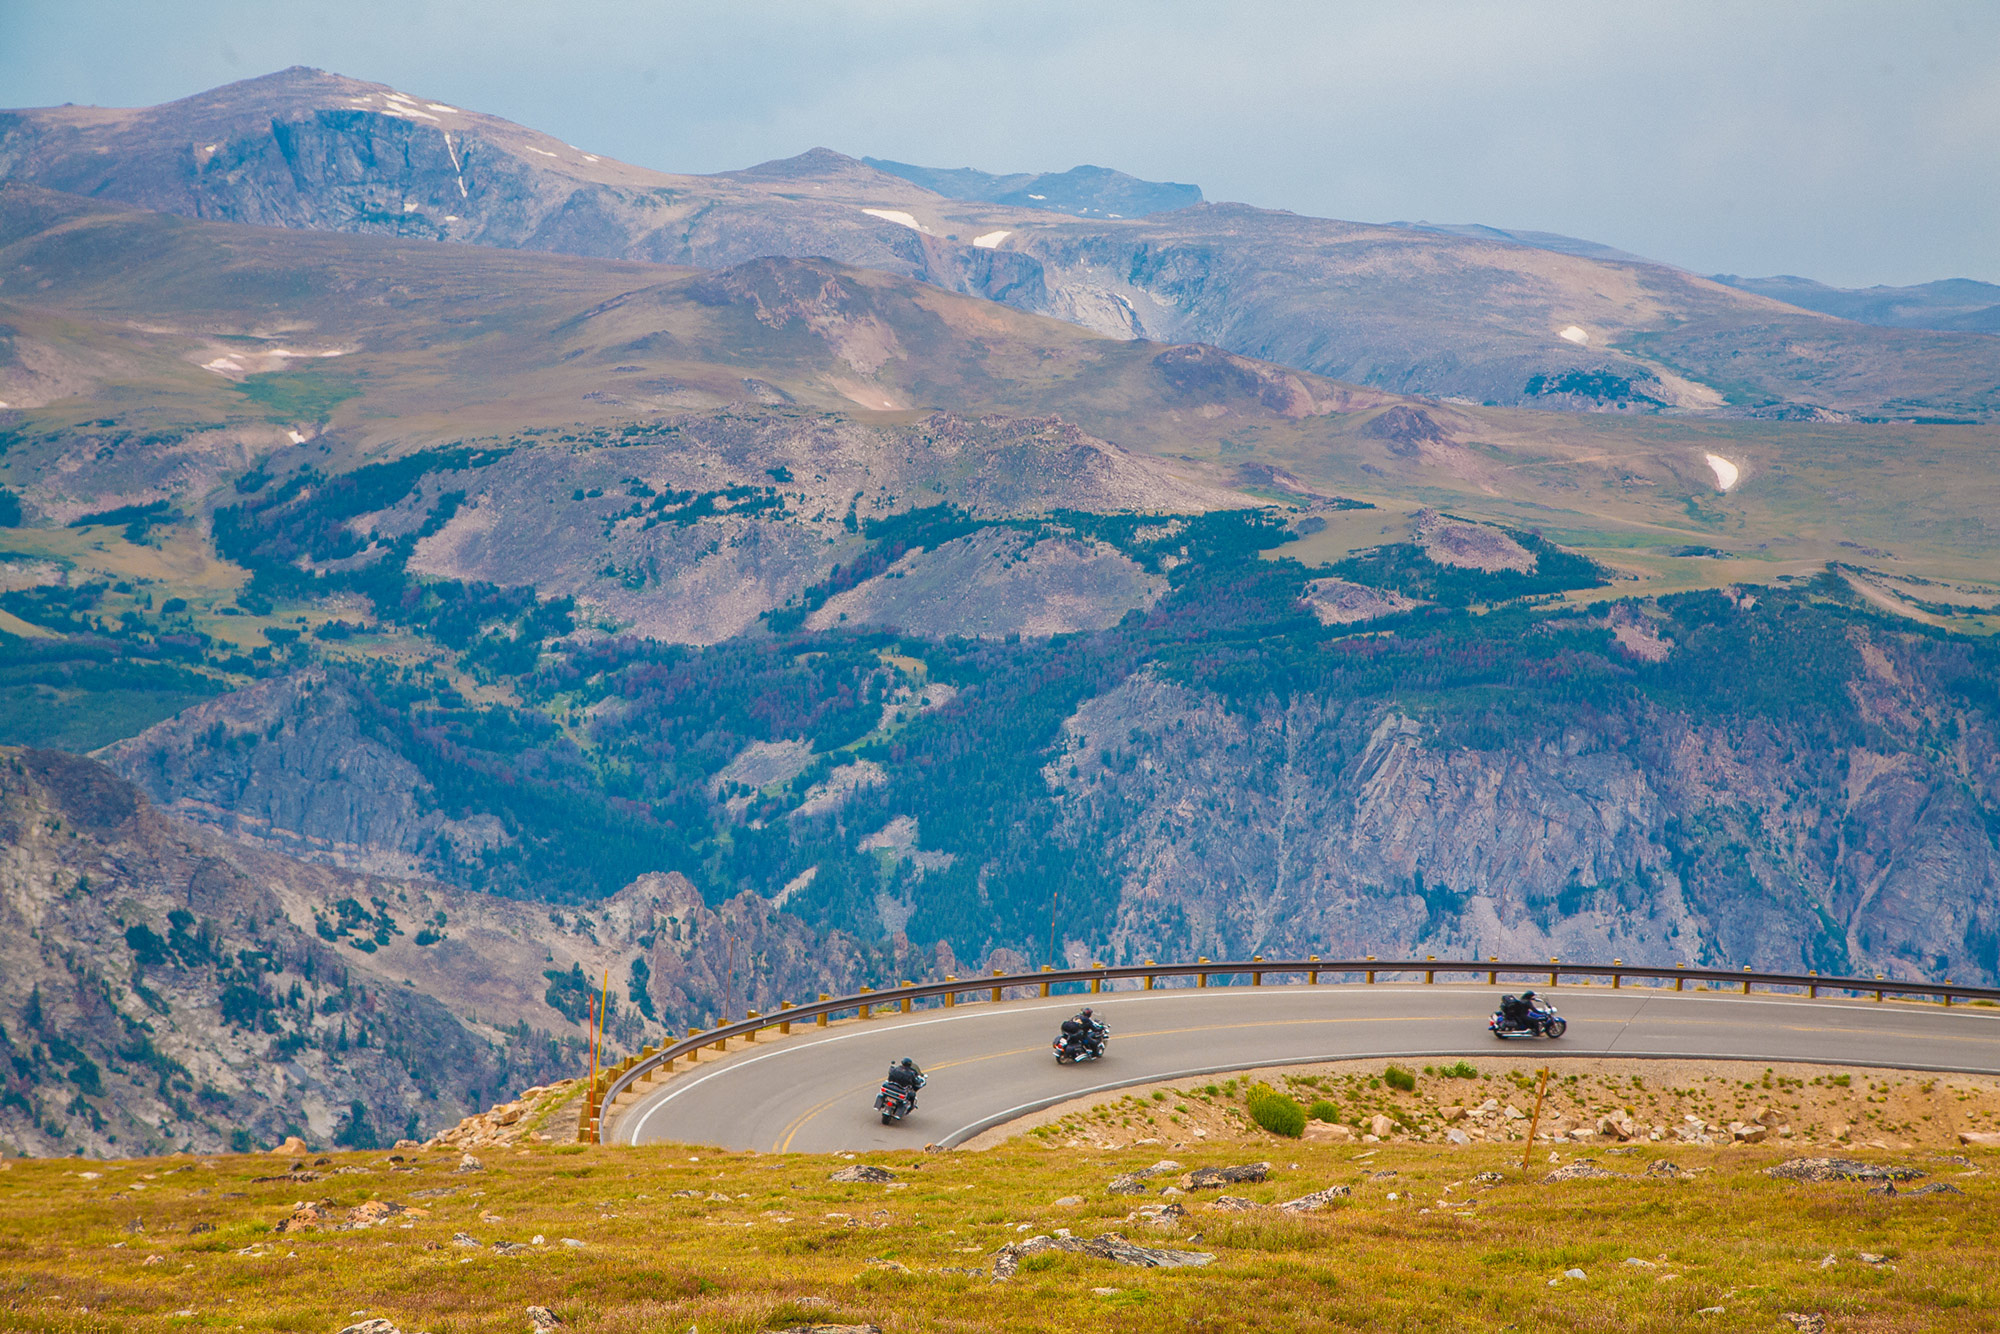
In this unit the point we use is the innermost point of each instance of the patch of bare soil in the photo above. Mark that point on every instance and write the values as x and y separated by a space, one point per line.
1589 1100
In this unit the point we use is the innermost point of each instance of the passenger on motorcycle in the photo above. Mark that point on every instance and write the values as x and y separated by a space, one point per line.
1518 1010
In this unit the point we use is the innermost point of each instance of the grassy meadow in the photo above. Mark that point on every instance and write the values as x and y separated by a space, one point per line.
677 1238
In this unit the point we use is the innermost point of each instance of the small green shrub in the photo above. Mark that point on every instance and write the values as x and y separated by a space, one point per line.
1275 1112
1396 1077
1322 1110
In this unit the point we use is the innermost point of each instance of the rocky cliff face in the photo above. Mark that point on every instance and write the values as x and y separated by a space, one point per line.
1300 827
163 988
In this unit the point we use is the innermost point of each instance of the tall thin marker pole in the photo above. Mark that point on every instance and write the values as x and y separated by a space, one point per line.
1536 1120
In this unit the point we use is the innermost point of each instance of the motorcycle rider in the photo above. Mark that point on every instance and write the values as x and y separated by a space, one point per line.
1516 1010
1092 1031
905 1075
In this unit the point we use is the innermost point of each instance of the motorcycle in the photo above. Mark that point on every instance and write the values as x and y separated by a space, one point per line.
1075 1046
1542 1021
895 1100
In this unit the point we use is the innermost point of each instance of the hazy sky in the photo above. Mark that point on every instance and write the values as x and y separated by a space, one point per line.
1855 143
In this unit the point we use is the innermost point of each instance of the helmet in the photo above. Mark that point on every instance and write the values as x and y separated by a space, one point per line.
1086 1012
1527 995
909 1064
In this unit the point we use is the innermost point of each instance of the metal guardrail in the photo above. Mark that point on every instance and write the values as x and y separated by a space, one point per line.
618 1079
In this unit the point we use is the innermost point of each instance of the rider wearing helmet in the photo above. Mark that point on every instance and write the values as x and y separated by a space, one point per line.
905 1074
1092 1030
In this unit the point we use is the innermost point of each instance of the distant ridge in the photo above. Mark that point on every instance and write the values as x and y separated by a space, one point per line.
1084 192
1957 305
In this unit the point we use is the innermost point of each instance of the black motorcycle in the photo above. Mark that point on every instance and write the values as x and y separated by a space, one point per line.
1079 1042
895 1100
1526 1019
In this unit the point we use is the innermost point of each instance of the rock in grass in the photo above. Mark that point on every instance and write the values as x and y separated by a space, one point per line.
862 1172
461 1239
1319 1199
1804 1322
543 1319
1131 1183
1110 1246
376 1326
1660 1167
469 1164
1158 1215
1583 1169
1215 1178
829 1329
1839 1169
1234 1204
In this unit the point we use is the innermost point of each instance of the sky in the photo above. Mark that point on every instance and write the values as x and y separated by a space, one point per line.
1854 143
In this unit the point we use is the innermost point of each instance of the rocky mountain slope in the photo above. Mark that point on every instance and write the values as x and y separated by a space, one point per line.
1427 312
162 988
1958 304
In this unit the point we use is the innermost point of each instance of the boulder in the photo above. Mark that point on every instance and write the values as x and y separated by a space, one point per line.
1318 1200
292 1148
862 1172
1660 1167
1839 1169
1380 1126
1233 1204
1110 1246
1214 1178
1328 1130
1583 1169
543 1319
1750 1134
1457 1136
469 1164
1158 1215
1128 1184
376 1326
1451 1114
1980 1139
1068 1200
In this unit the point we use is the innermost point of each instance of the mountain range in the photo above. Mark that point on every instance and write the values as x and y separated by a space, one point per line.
441 568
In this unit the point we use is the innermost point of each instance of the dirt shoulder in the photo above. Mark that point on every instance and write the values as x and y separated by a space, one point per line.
1588 1100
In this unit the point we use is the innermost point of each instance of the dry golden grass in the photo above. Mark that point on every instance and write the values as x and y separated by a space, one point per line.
765 1242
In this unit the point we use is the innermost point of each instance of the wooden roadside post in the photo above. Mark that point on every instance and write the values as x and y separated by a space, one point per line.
1535 1120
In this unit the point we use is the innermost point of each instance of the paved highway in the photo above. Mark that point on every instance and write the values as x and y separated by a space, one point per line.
813 1092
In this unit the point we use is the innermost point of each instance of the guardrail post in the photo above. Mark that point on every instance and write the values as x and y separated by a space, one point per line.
1371 971
1552 971
1047 968
906 1000
1878 990
1746 981
751 1036
950 997
785 1027
1096 983
822 1018
1430 974
867 1010
1201 979
1813 990
1149 976
1947 994
1493 974
1617 979
1256 977
720 1044
1680 983
998 972
1312 978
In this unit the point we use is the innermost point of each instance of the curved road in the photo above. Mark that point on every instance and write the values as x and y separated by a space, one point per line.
812 1092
